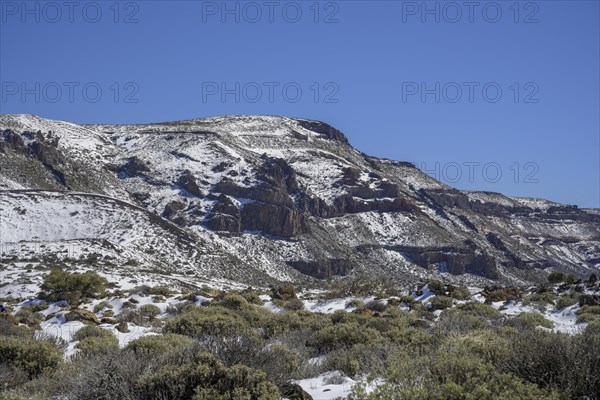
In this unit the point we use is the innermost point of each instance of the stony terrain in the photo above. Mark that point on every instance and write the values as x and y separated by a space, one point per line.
259 199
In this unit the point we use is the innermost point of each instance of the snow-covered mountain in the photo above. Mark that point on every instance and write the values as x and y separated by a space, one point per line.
256 199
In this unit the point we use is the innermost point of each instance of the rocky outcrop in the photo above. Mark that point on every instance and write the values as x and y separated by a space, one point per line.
324 129
188 182
44 149
133 167
224 216
273 219
173 213
274 211
278 173
455 260
12 140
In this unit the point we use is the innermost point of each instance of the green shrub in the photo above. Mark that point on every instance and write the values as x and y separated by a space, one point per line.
252 296
408 300
495 293
277 324
32 356
293 305
456 320
73 287
158 344
376 306
564 301
232 301
594 310
359 359
201 376
568 363
543 297
342 335
160 291
355 303
586 317
35 307
9 327
440 303
239 382
436 286
102 305
149 311
451 376
91 331
98 344
593 327
284 292
459 292
202 321
32 319
480 310
530 319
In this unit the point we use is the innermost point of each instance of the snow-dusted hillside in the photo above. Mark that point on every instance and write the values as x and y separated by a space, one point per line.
262 198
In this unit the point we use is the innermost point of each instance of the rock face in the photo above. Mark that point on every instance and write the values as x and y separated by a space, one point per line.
272 219
133 167
224 216
188 182
289 198
454 260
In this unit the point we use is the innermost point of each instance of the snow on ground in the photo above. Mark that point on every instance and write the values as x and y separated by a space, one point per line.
332 385
328 306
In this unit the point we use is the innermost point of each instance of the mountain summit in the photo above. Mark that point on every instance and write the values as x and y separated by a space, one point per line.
258 199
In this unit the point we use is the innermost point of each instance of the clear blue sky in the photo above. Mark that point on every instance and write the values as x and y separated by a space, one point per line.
370 61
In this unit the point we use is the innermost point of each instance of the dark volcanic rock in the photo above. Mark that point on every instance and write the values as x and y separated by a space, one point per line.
171 209
350 176
271 195
457 260
12 140
188 182
273 219
49 155
134 167
228 187
224 216
277 172
324 129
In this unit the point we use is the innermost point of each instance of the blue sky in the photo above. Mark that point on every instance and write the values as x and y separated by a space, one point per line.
500 96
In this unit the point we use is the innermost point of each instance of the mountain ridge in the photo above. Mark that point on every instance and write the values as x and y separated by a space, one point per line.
291 199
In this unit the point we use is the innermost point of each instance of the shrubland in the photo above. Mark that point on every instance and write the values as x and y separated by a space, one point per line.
234 347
